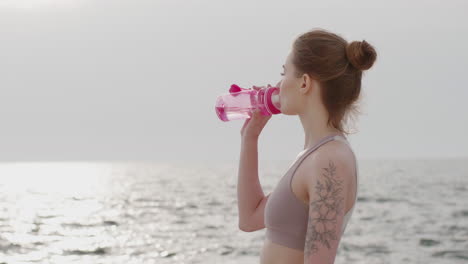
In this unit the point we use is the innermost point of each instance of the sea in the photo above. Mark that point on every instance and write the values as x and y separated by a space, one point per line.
407 211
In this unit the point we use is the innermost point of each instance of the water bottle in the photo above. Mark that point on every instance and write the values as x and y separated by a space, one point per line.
239 103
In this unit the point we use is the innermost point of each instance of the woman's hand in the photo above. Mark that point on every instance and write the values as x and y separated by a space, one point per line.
254 125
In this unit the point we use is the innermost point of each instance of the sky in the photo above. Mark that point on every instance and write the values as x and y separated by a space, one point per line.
114 80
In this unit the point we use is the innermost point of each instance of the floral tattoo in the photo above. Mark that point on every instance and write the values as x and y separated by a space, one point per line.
324 210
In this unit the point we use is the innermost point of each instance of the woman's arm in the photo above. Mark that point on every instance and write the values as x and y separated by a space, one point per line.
249 190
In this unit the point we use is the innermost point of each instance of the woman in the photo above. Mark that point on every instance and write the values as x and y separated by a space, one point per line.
306 215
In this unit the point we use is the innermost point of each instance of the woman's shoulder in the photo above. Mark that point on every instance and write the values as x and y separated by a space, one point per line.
334 155
336 150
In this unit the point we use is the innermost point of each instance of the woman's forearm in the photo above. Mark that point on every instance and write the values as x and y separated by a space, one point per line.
249 190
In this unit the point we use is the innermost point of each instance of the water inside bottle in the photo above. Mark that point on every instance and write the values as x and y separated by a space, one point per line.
232 113
248 101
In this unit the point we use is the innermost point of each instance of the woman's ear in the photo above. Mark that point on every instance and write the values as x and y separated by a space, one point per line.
308 85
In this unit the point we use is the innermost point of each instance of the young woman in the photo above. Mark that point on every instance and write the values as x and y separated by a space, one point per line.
307 212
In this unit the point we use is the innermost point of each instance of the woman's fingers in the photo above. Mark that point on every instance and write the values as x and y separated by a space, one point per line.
257 87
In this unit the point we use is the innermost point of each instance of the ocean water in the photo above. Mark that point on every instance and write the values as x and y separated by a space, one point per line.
77 212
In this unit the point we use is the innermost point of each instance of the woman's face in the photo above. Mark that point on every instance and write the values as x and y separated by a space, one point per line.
288 85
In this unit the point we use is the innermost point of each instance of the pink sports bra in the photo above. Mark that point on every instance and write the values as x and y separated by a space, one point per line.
285 214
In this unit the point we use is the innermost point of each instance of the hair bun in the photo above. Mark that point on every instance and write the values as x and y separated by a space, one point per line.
361 54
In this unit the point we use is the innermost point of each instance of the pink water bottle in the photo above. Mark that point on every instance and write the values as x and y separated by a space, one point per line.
239 103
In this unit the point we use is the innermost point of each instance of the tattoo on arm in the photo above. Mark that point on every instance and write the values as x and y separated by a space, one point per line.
323 211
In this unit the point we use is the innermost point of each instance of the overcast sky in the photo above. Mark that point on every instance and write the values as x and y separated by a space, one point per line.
137 80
